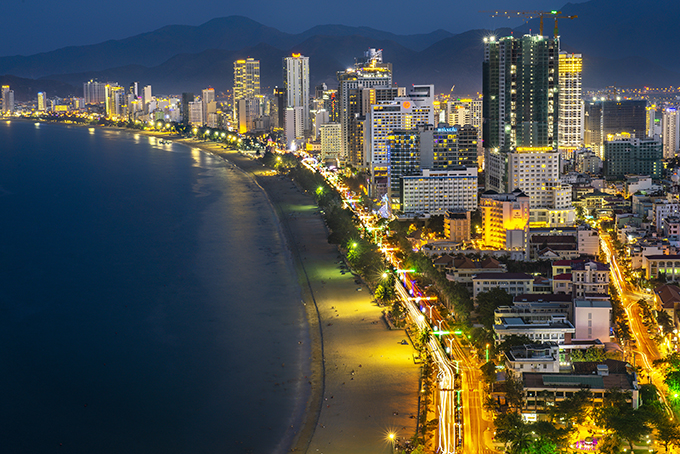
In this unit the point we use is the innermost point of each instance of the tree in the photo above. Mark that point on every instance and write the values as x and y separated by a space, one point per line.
619 417
666 322
573 410
385 293
547 432
667 432
489 372
589 354
511 430
514 390
488 302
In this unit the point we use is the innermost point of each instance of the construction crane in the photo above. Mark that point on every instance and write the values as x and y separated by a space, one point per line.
526 15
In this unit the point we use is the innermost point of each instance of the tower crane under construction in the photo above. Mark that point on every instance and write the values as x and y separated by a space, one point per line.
527 15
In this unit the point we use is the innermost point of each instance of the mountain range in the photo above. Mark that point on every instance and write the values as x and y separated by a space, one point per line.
623 44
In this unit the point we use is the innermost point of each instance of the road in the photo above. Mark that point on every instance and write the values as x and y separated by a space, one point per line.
646 350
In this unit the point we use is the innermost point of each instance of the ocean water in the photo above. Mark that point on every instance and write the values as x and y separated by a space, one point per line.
148 303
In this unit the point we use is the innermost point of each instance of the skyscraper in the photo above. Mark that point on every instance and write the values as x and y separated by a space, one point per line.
671 132
605 118
570 103
7 100
408 112
368 72
246 78
42 102
147 97
520 85
94 92
296 82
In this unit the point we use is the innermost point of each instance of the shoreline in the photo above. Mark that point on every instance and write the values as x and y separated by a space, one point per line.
344 411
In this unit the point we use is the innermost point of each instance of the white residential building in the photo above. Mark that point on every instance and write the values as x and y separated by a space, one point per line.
196 113
592 320
436 191
296 83
294 124
670 132
407 112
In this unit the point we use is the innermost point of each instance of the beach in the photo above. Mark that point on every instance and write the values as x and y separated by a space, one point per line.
364 382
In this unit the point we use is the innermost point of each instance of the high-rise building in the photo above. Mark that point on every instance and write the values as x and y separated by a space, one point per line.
278 108
464 111
187 98
368 72
7 100
94 92
196 113
294 124
520 108
624 154
505 220
610 117
570 104
134 89
433 192
248 111
331 142
520 87
42 102
409 112
147 97
296 83
209 103
116 101
246 78
671 132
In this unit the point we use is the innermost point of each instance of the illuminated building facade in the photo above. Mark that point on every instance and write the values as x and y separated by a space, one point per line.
331 141
7 100
42 102
94 92
196 113
611 117
246 78
520 86
671 132
434 192
464 111
505 220
296 83
368 72
570 109
116 101
628 155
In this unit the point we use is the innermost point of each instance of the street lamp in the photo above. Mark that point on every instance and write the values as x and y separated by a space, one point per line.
391 437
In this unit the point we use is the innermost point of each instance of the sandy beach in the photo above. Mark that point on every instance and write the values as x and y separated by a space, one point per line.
364 380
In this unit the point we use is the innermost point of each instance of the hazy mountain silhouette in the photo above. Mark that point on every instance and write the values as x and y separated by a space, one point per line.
622 43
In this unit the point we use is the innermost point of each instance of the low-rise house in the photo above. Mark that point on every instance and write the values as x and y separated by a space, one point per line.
562 284
668 299
589 277
668 265
513 283
462 270
543 357
557 329
543 390
554 247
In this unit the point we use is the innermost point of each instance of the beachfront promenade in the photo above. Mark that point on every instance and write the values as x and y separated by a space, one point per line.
370 387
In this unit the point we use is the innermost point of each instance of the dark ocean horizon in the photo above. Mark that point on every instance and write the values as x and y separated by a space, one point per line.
148 302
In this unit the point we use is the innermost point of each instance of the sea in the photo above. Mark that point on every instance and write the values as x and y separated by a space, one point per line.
148 300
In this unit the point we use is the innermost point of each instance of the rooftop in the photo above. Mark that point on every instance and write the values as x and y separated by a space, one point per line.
504 277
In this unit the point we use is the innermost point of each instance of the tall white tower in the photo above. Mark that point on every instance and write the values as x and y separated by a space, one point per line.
670 130
296 82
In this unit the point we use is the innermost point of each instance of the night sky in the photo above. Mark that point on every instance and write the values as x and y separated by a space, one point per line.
31 26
